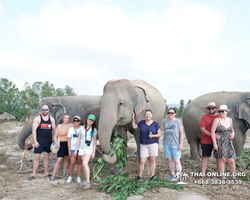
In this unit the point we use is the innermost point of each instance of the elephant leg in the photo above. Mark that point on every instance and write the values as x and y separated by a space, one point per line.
238 142
194 149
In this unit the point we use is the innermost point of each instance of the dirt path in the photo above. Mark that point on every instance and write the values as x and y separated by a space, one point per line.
14 184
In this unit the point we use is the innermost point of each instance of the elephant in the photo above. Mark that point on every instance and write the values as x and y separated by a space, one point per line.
119 100
81 105
239 106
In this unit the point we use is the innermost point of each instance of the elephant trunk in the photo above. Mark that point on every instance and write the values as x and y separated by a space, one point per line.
106 125
25 132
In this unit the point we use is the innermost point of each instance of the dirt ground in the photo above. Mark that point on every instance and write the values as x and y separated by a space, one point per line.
14 183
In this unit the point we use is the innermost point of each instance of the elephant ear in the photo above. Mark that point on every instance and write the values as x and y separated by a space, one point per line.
243 109
140 102
58 110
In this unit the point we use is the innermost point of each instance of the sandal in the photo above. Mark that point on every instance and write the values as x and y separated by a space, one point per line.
48 175
31 178
52 178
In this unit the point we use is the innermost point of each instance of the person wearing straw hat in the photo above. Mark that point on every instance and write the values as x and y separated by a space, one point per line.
223 147
206 140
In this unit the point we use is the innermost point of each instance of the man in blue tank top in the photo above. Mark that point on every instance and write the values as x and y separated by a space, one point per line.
42 128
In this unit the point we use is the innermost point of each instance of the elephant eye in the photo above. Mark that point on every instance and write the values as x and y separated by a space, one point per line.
120 104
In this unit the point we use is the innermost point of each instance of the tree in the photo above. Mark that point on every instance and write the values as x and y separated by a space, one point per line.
181 108
166 109
59 92
48 90
189 101
29 98
69 91
22 103
9 97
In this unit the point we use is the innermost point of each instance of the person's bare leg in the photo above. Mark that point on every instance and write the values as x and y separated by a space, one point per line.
57 165
79 166
65 165
204 164
36 164
177 162
231 165
85 165
141 166
152 165
221 167
72 165
171 165
46 163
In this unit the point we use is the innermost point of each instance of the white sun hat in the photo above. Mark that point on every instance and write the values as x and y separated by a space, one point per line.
223 107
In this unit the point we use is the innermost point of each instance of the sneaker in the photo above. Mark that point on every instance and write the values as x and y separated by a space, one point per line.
171 178
78 180
86 185
69 179
139 178
152 178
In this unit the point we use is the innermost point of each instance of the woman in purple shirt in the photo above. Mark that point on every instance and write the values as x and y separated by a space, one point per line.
149 133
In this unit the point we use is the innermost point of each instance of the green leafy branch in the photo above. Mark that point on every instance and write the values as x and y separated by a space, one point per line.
120 186
117 147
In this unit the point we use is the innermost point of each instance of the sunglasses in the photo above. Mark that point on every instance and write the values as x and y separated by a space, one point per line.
221 111
76 120
45 109
210 108
170 113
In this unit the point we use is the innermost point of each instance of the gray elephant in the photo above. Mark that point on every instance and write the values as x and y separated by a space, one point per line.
119 100
81 105
239 106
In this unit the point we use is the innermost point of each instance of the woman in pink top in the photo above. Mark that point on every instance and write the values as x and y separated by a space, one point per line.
62 129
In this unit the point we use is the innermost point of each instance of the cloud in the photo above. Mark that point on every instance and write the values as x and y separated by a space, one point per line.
81 42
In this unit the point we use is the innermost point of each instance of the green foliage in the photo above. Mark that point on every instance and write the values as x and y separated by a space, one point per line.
245 157
166 109
9 97
117 147
181 108
120 186
21 103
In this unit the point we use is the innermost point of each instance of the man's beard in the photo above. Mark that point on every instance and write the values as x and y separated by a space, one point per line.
45 114
212 113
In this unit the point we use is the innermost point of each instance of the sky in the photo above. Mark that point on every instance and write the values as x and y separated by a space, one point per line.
184 48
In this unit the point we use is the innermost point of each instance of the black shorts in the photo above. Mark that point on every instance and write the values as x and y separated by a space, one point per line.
207 150
43 146
63 150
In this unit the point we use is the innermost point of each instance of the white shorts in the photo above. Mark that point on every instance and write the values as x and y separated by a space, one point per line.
85 151
148 150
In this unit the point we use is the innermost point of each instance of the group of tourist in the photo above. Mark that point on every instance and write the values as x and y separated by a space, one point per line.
217 133
78 142
172 142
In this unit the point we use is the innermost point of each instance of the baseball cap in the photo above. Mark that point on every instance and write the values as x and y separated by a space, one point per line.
91 116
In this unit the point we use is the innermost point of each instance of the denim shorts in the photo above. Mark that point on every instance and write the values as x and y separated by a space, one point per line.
172 151
73 151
